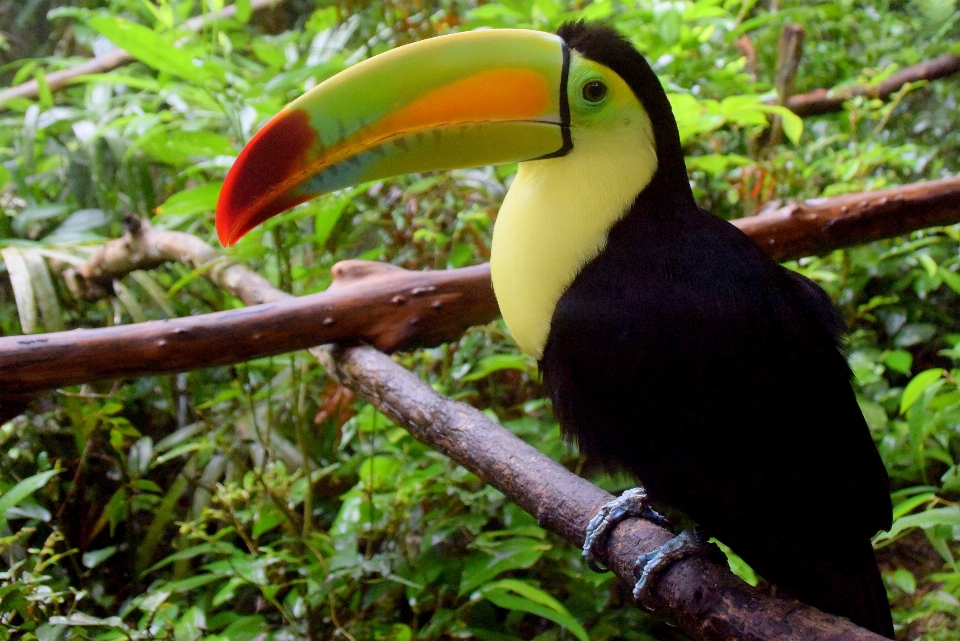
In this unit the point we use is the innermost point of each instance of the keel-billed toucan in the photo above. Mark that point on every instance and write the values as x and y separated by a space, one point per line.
671 345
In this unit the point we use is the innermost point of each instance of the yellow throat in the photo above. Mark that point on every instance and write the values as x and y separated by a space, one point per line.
557 213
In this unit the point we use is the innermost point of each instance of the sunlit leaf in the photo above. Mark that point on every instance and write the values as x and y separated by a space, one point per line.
916 387
190 202
148 47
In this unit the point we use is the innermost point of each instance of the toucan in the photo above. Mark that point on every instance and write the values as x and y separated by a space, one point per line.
672 347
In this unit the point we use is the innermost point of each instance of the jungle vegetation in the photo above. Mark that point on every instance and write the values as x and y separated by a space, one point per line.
263 500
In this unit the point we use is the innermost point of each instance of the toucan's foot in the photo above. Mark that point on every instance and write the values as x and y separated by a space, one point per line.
685 544
632 503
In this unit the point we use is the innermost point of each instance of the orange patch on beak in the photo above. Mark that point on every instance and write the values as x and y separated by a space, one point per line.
503 94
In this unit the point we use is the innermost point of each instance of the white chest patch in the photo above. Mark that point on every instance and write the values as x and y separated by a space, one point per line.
557 213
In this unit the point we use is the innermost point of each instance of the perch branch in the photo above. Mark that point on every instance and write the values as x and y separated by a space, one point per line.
824 101
382 305
58 80
699 593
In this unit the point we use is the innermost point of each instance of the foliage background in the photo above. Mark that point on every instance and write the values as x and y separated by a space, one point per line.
262 499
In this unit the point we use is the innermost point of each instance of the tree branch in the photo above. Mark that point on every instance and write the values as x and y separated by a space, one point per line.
381 305
117 58
376 303
824 101
820 225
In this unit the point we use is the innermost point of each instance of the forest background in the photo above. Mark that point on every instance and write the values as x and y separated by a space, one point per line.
263 498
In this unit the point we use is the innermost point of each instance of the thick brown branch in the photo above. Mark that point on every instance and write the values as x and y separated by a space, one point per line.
384 306
823 101
698 593
116 58
379 304
818 226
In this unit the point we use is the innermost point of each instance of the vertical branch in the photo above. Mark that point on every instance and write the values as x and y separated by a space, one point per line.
789 52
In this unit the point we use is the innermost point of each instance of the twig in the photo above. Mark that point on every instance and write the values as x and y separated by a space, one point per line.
116 58
824 101
382 305
143 247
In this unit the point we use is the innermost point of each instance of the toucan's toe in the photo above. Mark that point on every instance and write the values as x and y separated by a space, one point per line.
687 543
633 503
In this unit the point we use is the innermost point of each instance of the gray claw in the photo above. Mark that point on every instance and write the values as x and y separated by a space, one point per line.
632 503
684 544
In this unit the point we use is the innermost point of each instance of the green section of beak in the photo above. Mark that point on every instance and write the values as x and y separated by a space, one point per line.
464 100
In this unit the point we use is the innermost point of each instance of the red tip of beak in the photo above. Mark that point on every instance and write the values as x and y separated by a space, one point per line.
261 182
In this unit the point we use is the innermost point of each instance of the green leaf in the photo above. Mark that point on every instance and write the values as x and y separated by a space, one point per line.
792 123
267 518
163 517
511 594
327 212
934 517
737 565
899 360
909 505
245 628
716 163
94 558
22 490
379 473
497 362
193 201
179 147
80 226
904 579
510 554
148 47
244 11
43 291
952 279
85 620
322 19
20 280
917 386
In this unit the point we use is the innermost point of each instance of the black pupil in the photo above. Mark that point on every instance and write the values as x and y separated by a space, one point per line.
594 91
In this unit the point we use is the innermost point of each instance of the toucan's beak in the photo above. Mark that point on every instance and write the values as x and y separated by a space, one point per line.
464 100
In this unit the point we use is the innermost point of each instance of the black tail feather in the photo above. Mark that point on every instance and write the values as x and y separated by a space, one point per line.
842 579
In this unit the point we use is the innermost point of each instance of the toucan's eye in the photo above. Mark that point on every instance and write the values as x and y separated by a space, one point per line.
594 91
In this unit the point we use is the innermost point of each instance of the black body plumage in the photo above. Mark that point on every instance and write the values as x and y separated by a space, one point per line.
685 355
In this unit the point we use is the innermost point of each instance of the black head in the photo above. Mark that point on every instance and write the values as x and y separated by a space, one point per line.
606 46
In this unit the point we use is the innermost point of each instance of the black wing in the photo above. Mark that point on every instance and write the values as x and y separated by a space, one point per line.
683 354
